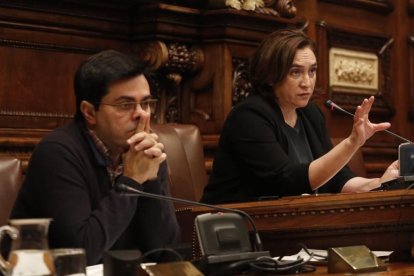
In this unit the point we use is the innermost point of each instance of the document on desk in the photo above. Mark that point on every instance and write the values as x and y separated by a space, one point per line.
94 270
321 255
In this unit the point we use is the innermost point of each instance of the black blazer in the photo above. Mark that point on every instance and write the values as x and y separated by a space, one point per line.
253 159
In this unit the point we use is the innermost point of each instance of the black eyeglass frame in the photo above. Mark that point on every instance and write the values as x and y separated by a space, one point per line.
130 106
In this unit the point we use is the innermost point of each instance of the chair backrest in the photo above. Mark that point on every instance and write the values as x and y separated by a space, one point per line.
10 183
185 159
356 164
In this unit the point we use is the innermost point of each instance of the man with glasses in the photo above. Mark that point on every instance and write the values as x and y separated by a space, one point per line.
73 172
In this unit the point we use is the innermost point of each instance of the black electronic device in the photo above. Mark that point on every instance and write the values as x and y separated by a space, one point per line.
223 237
400 183
406 159
121 262
224 241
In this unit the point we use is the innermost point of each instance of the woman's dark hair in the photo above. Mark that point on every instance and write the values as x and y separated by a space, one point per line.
99 71
273 59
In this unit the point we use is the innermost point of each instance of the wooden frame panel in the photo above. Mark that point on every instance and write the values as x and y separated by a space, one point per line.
359 42
411 79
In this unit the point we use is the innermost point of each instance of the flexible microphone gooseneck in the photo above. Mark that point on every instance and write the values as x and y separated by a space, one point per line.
331 105
130 191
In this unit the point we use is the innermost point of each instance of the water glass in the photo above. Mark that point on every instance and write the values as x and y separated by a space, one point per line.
69 261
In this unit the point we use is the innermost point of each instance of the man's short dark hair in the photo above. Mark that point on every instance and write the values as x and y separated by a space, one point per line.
99 71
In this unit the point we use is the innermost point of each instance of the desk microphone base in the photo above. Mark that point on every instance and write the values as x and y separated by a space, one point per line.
353 259
220 264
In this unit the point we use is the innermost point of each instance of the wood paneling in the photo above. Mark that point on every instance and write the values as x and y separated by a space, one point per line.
411 66
375 21
365 42
202 47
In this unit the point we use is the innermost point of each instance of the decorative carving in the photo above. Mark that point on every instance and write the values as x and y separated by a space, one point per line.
241 84
183 59
248 5
373 47
282 8
172 61
355 70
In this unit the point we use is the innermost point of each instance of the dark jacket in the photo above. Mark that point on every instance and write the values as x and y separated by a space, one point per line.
67 180
252 159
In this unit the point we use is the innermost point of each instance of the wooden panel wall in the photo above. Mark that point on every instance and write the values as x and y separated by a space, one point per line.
198 51
41 46
380 27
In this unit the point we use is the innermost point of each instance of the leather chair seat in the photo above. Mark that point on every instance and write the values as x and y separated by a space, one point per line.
10 183
185 159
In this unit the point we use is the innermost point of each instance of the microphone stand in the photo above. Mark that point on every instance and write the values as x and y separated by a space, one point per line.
125 189
260 260
330 104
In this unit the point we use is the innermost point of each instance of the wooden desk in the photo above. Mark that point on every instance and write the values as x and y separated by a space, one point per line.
382 220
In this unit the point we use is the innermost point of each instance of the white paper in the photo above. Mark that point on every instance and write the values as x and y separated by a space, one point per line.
303 255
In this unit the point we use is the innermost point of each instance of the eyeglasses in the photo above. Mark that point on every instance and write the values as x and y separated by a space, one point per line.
127 107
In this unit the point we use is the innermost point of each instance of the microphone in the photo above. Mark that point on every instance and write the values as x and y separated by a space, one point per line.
130 191
331 105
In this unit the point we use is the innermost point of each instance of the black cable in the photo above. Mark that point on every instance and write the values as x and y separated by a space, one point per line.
269 265
156 250
313 254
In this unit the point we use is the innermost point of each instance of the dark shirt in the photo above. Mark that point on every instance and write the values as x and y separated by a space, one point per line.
299 149
253 157
67 180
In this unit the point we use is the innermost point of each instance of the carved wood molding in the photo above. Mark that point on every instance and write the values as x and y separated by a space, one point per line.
329 220
46 46
241 84
190 25
28 119
101 10
358 41
352 229
333 210
15 113
20 142
282 8
172 62
410 6
411 73
380 6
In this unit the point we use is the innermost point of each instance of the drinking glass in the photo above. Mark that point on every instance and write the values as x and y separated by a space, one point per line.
69 261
